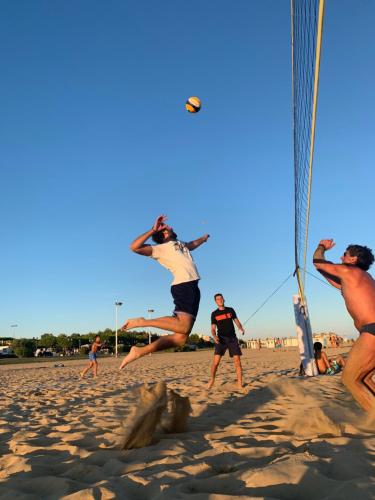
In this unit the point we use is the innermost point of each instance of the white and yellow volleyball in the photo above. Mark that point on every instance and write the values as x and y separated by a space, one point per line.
193 104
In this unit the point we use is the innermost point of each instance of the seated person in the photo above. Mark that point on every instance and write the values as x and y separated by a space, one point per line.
327 366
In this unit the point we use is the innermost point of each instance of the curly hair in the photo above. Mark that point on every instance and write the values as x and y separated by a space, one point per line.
158 237
364 255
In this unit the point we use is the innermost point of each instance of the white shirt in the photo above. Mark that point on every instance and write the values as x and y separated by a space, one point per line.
176 257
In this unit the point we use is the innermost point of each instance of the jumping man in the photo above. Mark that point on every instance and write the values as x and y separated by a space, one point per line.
358 289
175 256
224 335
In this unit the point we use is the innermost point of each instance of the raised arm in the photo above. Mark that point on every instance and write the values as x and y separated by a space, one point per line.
333 273
138 245
192 245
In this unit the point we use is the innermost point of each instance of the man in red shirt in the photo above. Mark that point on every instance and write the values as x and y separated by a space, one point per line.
224 335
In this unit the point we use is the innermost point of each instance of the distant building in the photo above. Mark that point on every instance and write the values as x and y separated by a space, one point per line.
252 344
270 343
330 339
290 342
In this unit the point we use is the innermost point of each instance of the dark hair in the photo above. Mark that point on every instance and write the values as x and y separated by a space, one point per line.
218 295
158 237
364 256
318 346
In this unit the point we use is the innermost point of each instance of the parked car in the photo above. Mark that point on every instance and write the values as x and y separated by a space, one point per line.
7 352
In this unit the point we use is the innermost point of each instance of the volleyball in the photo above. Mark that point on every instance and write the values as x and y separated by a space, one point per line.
193 104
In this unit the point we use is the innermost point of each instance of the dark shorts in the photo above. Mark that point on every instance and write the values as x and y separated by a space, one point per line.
92 356
186 298
230 343
370 328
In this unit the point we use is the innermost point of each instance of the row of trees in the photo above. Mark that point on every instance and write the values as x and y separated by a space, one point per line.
63 343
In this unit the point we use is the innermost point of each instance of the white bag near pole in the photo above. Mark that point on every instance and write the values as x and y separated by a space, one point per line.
304 336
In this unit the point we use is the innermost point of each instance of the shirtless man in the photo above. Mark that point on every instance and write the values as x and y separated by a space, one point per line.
358 289
93 364
175 256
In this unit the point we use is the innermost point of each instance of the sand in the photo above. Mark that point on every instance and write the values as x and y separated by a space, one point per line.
281 438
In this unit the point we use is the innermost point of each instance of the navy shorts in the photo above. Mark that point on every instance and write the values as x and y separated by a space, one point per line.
186 297
370 328
92 356
230 343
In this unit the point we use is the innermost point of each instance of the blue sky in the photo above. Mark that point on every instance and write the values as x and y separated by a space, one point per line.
95 143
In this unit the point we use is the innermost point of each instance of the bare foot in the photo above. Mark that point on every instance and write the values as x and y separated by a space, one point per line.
81 375
132 356
132 323
210 384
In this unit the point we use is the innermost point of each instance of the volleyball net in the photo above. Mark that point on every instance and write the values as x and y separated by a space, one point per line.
306 32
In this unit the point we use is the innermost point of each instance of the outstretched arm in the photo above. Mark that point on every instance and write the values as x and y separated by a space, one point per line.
192 245
138 245
332 272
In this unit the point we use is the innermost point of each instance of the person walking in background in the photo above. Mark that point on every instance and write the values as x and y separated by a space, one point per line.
93 364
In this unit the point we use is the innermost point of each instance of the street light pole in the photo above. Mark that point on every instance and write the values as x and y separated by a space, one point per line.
117 305
150 311
14 326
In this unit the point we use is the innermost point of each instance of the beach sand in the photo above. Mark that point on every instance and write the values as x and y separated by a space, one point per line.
283 437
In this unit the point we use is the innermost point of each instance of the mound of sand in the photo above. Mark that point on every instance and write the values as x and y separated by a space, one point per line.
157 409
